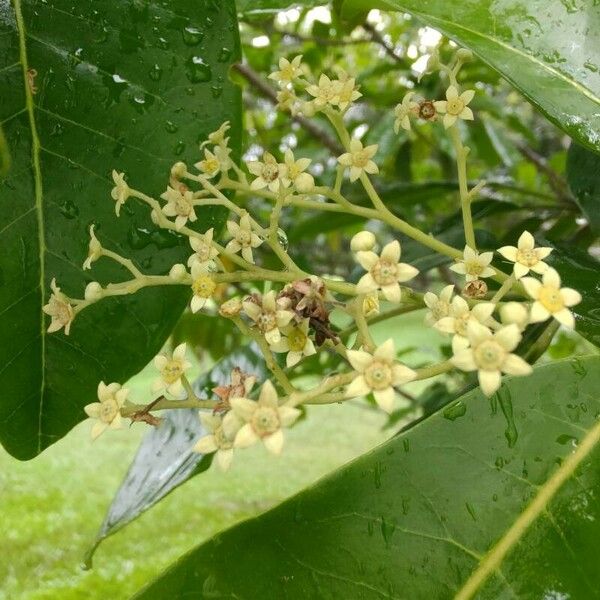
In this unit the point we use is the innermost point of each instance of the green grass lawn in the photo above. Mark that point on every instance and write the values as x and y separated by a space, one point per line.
51 507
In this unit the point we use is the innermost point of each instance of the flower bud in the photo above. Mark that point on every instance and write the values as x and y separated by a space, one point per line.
475 289
371 305
178 272
433 63
304 183
231 308
514 312
464 55
93 291
179 169
363 240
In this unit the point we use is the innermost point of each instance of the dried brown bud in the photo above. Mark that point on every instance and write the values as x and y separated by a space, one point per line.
427 110
475 289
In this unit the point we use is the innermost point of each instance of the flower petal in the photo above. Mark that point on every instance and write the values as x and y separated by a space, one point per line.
358 387
359 359
245 437
385 399
508 337
205 445
274 442
515 365
489 381
391 252
508 252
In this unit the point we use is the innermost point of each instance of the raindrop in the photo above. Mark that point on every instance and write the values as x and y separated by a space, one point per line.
216 90
455 410
471 510
179 148
197 70
510 432
192 36
406 445
565 439
138 238
155 73
282 238
224 55
171 127
387 530
69 210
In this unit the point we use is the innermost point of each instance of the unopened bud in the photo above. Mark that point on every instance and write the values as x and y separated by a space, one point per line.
371 305
178 272
464 55
93 291
475 289
363 240
179 169
514 312
231 308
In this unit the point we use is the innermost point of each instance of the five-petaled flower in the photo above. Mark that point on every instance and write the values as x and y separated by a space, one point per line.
526 256
550 299
218 137
490 354
439 306
359 159
288 70
268 317
108 410
120 192
326 92
210 164
403 111
455 106
203 287
216 441
347 93
60 309
204 251
171 371
296 342
269 173
244 238
385 272
474 265
94 250
179 205
263 419
378 373
296 172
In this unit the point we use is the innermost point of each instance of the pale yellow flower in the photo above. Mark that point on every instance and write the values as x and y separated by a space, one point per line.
171 370
346 93
378 373
108 410
244 238
120 192
180 206
268 317
218 137
209 165
288 70
204 251
455 106
439 306
550 299
286 100
203 287
359 159
94 250
385 272
296 172
474 265
326 92
296 342
60 309
216 441
269 173
514 313
490 355
403 111
525 256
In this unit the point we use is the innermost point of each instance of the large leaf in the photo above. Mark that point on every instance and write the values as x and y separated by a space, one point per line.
127 85
270 6
546 49
165 458
499 493
583 174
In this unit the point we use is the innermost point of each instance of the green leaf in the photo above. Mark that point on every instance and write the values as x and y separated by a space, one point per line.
270 6
165 459
532 44
123 85
583 175
449 508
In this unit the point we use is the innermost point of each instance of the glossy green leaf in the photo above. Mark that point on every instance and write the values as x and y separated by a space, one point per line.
583 174
112 84
271 6
546 49
422 515
165 459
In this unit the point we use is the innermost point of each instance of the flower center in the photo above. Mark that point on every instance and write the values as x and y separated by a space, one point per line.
270 172
551 299
204 286
244 237
527 257
361 158
296 340
183 207
378 375
266 321
384 272
489 355
62 312
440 309
221 439
473 268
172 371
265 421
455 106
210 165
203 252
108 410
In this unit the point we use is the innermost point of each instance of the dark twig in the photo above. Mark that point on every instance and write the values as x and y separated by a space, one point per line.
378 39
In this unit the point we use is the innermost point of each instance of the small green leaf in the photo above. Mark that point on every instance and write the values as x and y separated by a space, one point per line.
450 508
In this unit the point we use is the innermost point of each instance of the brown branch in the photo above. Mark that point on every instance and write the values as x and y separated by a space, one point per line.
378 39
270 94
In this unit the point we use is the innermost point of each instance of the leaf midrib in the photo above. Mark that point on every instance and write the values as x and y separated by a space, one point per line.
38 191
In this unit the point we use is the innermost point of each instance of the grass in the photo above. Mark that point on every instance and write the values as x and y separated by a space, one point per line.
51 507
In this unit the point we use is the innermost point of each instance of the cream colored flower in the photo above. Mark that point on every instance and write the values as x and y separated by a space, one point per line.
514 313
550 299
94 250
378 373
326 92
286 100
460 315
171 371
216 441
180 206
268 317
60 309
455 106
120 192
108 410
362 241
288 70
526 256
203 287
359 159
244 238
474 265
263 419
403 111
296 342
204 251
490 355
209 165
346 93
295 172
269 173
218 137
439 306
385 272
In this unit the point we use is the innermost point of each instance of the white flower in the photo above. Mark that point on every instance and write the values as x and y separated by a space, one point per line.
204 251
378 373
120 192
439 306
362 241
268 317
326 92
180 206
288 70
269 173
209 165
404 111
514 313
264 419
217 137
93 291
60 309
108 410
244 238
296 343
385 272
359 159
216 441
203 287
525 256
346 93
474 265
550 299
171 371
490 355
94 250
455 106
295 172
